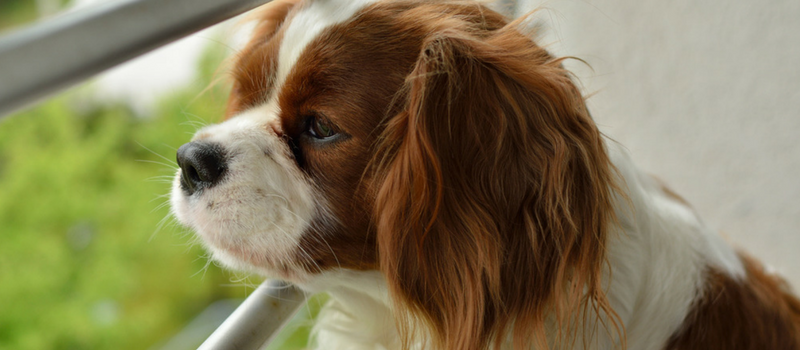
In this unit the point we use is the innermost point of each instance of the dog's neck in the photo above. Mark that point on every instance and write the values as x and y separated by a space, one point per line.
658 257
358 315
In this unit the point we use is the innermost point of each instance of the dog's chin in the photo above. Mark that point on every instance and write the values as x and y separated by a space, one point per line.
240 233
237 261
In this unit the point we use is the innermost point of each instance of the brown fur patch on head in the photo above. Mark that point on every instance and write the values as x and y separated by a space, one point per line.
757 313
255 67
494 199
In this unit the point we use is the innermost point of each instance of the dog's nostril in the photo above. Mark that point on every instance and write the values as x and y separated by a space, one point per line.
191 174
202 165
189 178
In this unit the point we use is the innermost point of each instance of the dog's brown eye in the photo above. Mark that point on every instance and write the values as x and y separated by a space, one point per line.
319 129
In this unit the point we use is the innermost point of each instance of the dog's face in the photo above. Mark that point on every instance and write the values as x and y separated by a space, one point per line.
431 141
280 187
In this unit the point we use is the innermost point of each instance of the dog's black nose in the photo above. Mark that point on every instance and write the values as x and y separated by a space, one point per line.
202 165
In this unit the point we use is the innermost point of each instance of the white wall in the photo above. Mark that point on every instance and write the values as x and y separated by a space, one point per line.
706 95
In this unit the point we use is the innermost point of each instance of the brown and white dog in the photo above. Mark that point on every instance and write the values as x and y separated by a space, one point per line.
438 174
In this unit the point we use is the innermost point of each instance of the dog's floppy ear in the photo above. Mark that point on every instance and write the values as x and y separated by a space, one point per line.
495 199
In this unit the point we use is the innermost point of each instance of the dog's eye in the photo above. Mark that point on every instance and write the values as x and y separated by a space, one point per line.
317 128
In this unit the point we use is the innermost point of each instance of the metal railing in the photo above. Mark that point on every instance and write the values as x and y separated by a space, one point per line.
258 319
44 58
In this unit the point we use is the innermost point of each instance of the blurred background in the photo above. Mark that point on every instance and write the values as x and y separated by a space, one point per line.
704 94
89 258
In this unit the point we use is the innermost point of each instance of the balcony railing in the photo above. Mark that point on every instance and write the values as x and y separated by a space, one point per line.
44 58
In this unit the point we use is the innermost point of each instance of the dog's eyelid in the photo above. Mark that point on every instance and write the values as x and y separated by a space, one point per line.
318 126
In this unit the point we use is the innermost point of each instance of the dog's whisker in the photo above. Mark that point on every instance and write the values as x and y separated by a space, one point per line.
319 238
169 161
160 206
172 166
161 223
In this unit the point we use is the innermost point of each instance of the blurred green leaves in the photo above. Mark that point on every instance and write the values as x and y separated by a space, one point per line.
82 192
83 264
78 267
16 12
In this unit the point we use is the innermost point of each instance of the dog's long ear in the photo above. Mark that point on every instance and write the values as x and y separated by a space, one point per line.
496 197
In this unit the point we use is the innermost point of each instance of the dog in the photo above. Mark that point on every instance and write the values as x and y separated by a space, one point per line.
438 174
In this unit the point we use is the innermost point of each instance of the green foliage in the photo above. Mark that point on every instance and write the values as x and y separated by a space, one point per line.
81 194
16 12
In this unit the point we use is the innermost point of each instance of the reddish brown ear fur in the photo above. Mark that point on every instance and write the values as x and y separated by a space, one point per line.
496 200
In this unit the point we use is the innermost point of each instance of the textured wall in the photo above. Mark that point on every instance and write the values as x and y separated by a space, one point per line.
705 94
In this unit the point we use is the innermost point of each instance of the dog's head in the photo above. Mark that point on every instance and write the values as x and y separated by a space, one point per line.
432 141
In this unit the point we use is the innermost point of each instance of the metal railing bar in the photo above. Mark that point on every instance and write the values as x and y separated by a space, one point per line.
46 57
258 319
